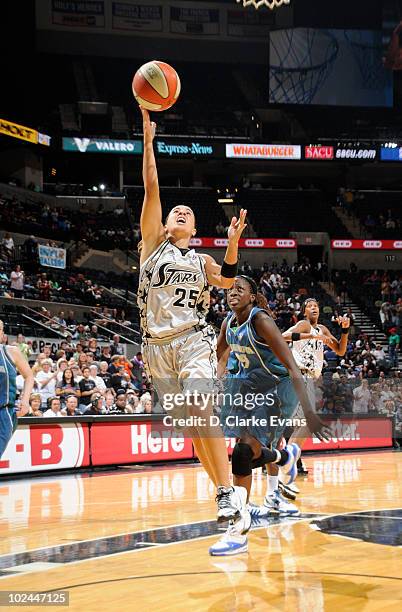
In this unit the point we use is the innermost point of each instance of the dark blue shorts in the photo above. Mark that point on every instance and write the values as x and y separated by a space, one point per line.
8 424
255 416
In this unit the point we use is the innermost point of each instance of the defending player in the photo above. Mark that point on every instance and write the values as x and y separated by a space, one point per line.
271 383
179 348
12 361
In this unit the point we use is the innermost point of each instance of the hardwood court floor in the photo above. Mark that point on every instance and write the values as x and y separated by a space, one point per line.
138 540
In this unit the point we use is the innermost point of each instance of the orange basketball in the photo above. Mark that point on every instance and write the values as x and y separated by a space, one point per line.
156 86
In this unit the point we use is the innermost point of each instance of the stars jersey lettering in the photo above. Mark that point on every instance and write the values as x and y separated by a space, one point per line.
173 292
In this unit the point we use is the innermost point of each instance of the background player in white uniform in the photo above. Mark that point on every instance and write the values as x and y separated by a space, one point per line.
307 339
179 348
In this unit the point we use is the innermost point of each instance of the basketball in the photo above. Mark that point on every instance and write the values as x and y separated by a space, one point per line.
156 86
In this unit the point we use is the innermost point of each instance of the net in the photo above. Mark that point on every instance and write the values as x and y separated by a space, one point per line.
301 60
271 4
368 55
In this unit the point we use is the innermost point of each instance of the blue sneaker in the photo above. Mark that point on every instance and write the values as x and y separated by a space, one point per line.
234 540
231 543
276 503
289 470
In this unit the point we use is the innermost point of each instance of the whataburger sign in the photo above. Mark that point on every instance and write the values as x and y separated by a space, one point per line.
263 151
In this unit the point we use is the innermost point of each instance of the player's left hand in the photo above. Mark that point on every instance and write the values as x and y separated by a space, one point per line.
23 408
318 428
237 226
343 321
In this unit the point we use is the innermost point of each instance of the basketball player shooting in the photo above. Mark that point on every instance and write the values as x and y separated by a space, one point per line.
179 348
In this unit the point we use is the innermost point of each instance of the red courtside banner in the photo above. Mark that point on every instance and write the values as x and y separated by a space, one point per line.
246 243
345 243
354 433
136 442
46 447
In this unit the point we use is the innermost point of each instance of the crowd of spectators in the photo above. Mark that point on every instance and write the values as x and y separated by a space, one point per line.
373 219
86 378
99 229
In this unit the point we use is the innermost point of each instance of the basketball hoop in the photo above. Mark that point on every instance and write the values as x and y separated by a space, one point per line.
271 4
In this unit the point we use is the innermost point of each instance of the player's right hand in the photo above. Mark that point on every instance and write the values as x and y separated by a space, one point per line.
149 127
318 428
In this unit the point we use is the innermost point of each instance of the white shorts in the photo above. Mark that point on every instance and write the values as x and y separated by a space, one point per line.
183 365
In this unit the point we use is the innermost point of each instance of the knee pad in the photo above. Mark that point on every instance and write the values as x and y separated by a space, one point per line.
263 459
241 459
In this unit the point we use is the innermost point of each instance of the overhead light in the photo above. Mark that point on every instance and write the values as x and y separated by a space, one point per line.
94 188
225 200
102 187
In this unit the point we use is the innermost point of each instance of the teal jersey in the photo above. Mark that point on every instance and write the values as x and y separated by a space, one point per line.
251 351
8 378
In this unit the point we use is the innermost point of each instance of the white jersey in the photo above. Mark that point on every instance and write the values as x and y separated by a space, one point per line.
309 354
173 292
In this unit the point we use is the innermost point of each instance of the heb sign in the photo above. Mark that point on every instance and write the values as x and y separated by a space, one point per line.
354 433
366 244
129 442
263 151
246 243
46 447
319 153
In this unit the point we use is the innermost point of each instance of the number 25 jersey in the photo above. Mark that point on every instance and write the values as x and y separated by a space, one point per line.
173 292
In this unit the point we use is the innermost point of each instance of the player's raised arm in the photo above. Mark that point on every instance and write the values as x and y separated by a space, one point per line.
223 276
338 346
151 215
223 350
300 331
268 330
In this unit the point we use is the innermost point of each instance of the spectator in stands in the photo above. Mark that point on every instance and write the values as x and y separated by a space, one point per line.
54 408
106 354
96 406
393 346
246 268
132 401
8 245
34 405
30 248
61 366
87 386
119 406
71 406
17 281
93 348
104 374
67 386
109 399
70 320
361 397
43 287
45 381
138 367
145 404
99 382
116 348
220 229
25 347
380 357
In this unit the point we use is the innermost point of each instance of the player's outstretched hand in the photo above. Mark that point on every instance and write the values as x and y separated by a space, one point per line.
149 126
237 226
318 428
343 321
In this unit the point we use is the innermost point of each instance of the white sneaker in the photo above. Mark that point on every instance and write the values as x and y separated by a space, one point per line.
233 542
293 488
257 512
230 500
275 501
